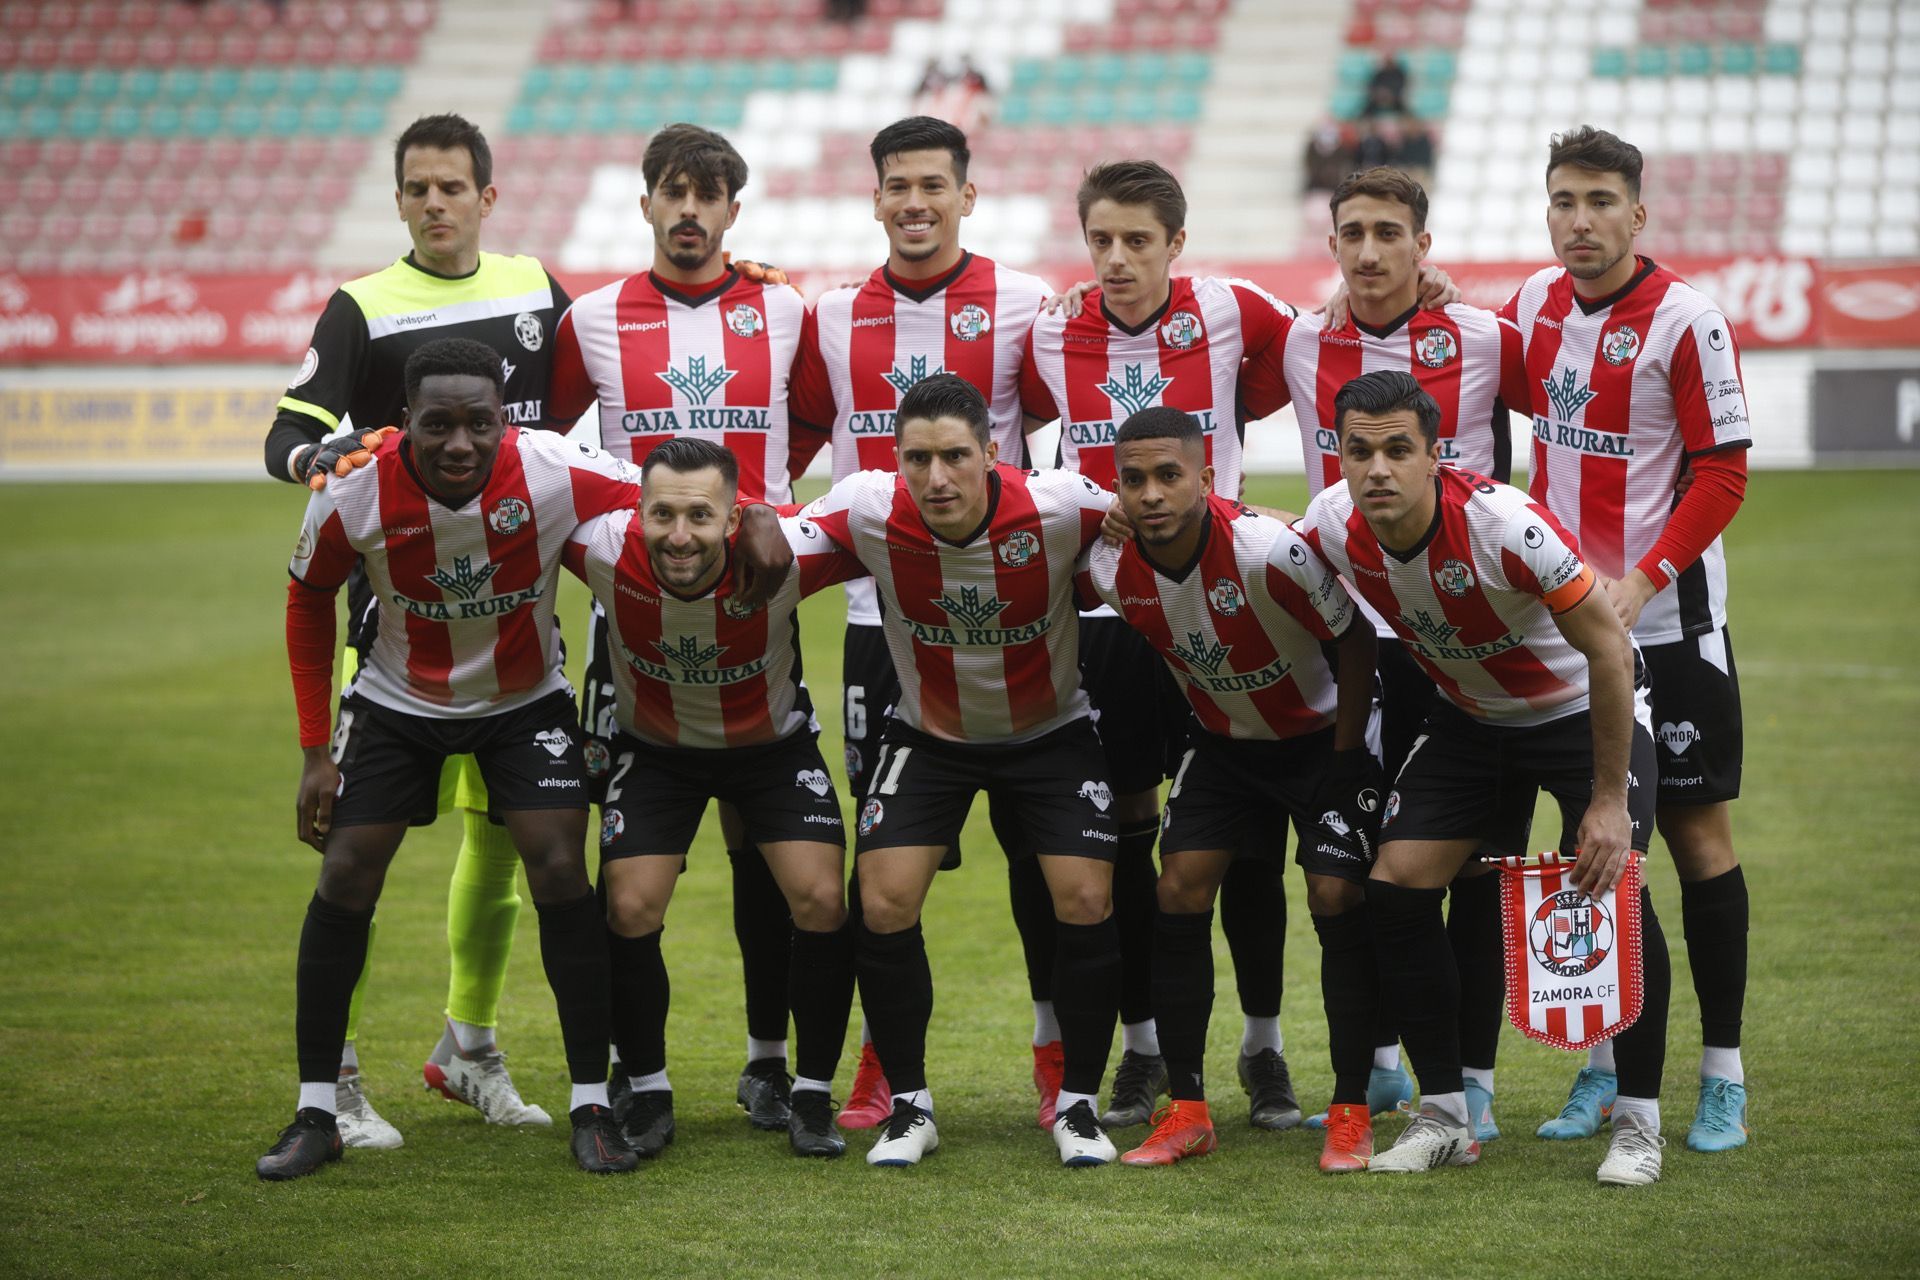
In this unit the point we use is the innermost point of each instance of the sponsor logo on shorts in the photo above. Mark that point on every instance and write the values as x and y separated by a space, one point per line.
871 816
1333 822
1454 578
599 759
1338 852
611 825
556 741
509 516
825 820
1226 597
560 782
1098 792
1678 737
1681 782
1106 837
814 780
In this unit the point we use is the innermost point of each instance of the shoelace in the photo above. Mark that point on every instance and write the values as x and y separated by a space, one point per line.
905 1116
1080 1122
1587 1091
1638 1143
814 1108
1720 1108
1268 1070
1343 1125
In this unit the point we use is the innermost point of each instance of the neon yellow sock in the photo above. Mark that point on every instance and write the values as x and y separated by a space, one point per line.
483 906
360 987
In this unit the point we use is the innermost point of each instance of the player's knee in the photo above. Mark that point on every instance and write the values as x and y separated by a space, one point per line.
1082 903
1179 894
1332 896
885 911
1137 809
349 881
556 871
632 913
820 907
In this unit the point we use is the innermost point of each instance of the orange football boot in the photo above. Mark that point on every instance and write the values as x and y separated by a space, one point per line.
870 1102
1349 1144
1181 1129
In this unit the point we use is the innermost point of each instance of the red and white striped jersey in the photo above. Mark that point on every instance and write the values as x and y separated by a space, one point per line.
982 633
701 672
466 593
1462 356
665 363
1623 392
1241 626
1093 373
1474 601
865 347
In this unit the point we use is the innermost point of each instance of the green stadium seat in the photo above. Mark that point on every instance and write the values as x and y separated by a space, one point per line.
342 84
1610 63
521 117
1650 60
1028 73
23 87
778 74
245 119
603 115
618 80
657 77
1356 67
102 84
640 115
1100 107
1694 60
62 86
203 120
1437 66
1429 101
559 115
739 78
1192 69
1110 71
723 111
1069 72
301 83
382 83
1056 109
1016 110
1141 104
11 125
1783 60
222 84
325 119
141 86
164 120
820 74
1183 107
1739 59
1347 101
698 76
366 120
539 82
1149 68
259 83
286 119
124 120
575 80
85 120
181 84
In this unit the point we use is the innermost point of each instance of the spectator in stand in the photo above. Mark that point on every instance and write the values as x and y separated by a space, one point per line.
1379 143
1329 159
1416 150
846 10
1387 86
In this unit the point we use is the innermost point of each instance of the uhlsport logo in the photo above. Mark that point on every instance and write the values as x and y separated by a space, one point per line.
555 740
611 825
1437 349
814 780
1019 549
970 322
1099 793
872 814
746 322
1676 738
1454 578
1181 330
1620 345
1226 597
509 516
599 759
527 328
1570 934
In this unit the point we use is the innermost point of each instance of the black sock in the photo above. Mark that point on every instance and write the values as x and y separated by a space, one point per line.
1640 1052
1714 915
822 999
1253 916
764 929
1473 929
1086 1000
896 991
573 950
1033 920
1350 990
641 994
1416 969
1183 997
1134 905
333 950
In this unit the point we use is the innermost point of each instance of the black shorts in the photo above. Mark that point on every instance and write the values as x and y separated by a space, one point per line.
656 795
1137 707
1407 695
390 760
1237 794
869 689
598 702
1467 779
1053 787
1696 718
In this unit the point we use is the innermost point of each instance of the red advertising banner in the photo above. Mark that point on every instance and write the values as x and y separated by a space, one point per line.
172 318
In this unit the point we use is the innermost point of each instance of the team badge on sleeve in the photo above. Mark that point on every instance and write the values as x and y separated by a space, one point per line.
1620 345
1019 549
311 365
1454 578
509 516
526 327
1181 330
1226 597
746 321
970 322
1437 349
303 549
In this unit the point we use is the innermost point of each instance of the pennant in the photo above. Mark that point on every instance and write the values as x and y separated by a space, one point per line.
1573 961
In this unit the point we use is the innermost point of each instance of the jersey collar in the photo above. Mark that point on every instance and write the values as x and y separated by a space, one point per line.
1426 539
679 294
1647 267
1390 328
921 290
435 275
1135 330
1185 571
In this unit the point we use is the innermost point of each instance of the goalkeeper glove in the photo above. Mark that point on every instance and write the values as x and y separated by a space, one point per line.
1355 789
311 464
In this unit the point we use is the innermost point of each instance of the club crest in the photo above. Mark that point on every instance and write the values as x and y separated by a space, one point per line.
611 825
746 322
1570 934
1181 330
1019 549
1226 597
1620 345
527 328
1437 349
871 815
508 516
1454 578
970 322
599 759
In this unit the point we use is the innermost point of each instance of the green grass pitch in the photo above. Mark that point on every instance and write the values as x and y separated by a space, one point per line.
151 891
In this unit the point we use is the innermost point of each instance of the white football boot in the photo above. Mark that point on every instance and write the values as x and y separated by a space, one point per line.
1430 1142
360 1125
907 1135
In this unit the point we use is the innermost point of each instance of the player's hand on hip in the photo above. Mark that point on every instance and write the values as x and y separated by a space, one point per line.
1437 288
313 810
1606 838
1073 301
764 555
339 456
1628 596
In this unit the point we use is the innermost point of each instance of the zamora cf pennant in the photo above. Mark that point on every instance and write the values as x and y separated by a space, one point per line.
1573 961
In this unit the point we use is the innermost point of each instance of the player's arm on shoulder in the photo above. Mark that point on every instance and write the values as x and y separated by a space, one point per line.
317 398
1264 319
822 561
601 482
594 542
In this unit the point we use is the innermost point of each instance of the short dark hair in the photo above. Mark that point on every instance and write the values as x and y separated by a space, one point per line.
946 395
690 453
1387 391
707 159
1382 183
444 132
454 357
1135 182
1161 422
919 133
1598 151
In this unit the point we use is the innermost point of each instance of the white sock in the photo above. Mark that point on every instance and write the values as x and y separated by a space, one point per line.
1260 1033
588 1095
1645 1111
470 1036
350 1058
1722 1062
1600 1057
866 1030
1452 1107
317 1095
1139 1037
1066 1101
919 1098
1481 1076
802 1084
1386 1057
1046 1028
653 1082
758 1049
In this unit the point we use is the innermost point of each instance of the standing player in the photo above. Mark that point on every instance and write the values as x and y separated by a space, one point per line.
1542 689
974 562
694 348
1239 608
710 706
1635 387
931 308
458 523
1470 364
445 287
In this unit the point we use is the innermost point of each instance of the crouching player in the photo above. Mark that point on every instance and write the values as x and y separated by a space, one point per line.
1239 607
1542 688
459 522
709 706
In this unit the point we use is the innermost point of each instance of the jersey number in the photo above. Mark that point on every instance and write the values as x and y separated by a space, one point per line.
887 780
623 763
856 711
